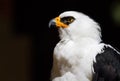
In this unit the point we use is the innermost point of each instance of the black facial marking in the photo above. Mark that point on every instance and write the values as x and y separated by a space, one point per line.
67 20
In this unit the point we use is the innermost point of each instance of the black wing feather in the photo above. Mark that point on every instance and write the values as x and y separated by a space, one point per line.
107 65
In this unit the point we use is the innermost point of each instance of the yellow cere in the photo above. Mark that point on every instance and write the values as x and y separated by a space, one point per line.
59 23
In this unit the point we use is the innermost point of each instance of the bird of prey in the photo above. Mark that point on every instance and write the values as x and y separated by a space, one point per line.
81 55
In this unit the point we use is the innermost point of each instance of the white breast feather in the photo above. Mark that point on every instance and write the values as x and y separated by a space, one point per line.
74 55
74 58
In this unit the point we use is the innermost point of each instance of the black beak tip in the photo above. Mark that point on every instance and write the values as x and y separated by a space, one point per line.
52 23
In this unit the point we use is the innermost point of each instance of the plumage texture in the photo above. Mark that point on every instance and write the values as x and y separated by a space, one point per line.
80 55
107 65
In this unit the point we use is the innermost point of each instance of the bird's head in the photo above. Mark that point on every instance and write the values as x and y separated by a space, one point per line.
75 25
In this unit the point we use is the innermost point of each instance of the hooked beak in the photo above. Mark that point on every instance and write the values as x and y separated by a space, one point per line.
57 23
52 23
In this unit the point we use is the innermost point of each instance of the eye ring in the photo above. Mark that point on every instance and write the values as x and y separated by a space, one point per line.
70 20
67 20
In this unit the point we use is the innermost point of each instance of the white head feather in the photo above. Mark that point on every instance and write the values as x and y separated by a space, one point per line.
82 27
75 52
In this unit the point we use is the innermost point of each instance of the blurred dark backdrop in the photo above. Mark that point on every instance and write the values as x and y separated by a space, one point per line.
26 42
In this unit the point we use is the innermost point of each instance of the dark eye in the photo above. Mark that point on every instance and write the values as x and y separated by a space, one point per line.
70 19
67 20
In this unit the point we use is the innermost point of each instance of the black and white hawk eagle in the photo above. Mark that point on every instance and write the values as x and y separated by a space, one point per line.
80 55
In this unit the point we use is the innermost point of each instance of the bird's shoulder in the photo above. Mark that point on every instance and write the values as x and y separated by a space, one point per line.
107 65
107 53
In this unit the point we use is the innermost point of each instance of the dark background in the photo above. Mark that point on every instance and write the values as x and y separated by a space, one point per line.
27 42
